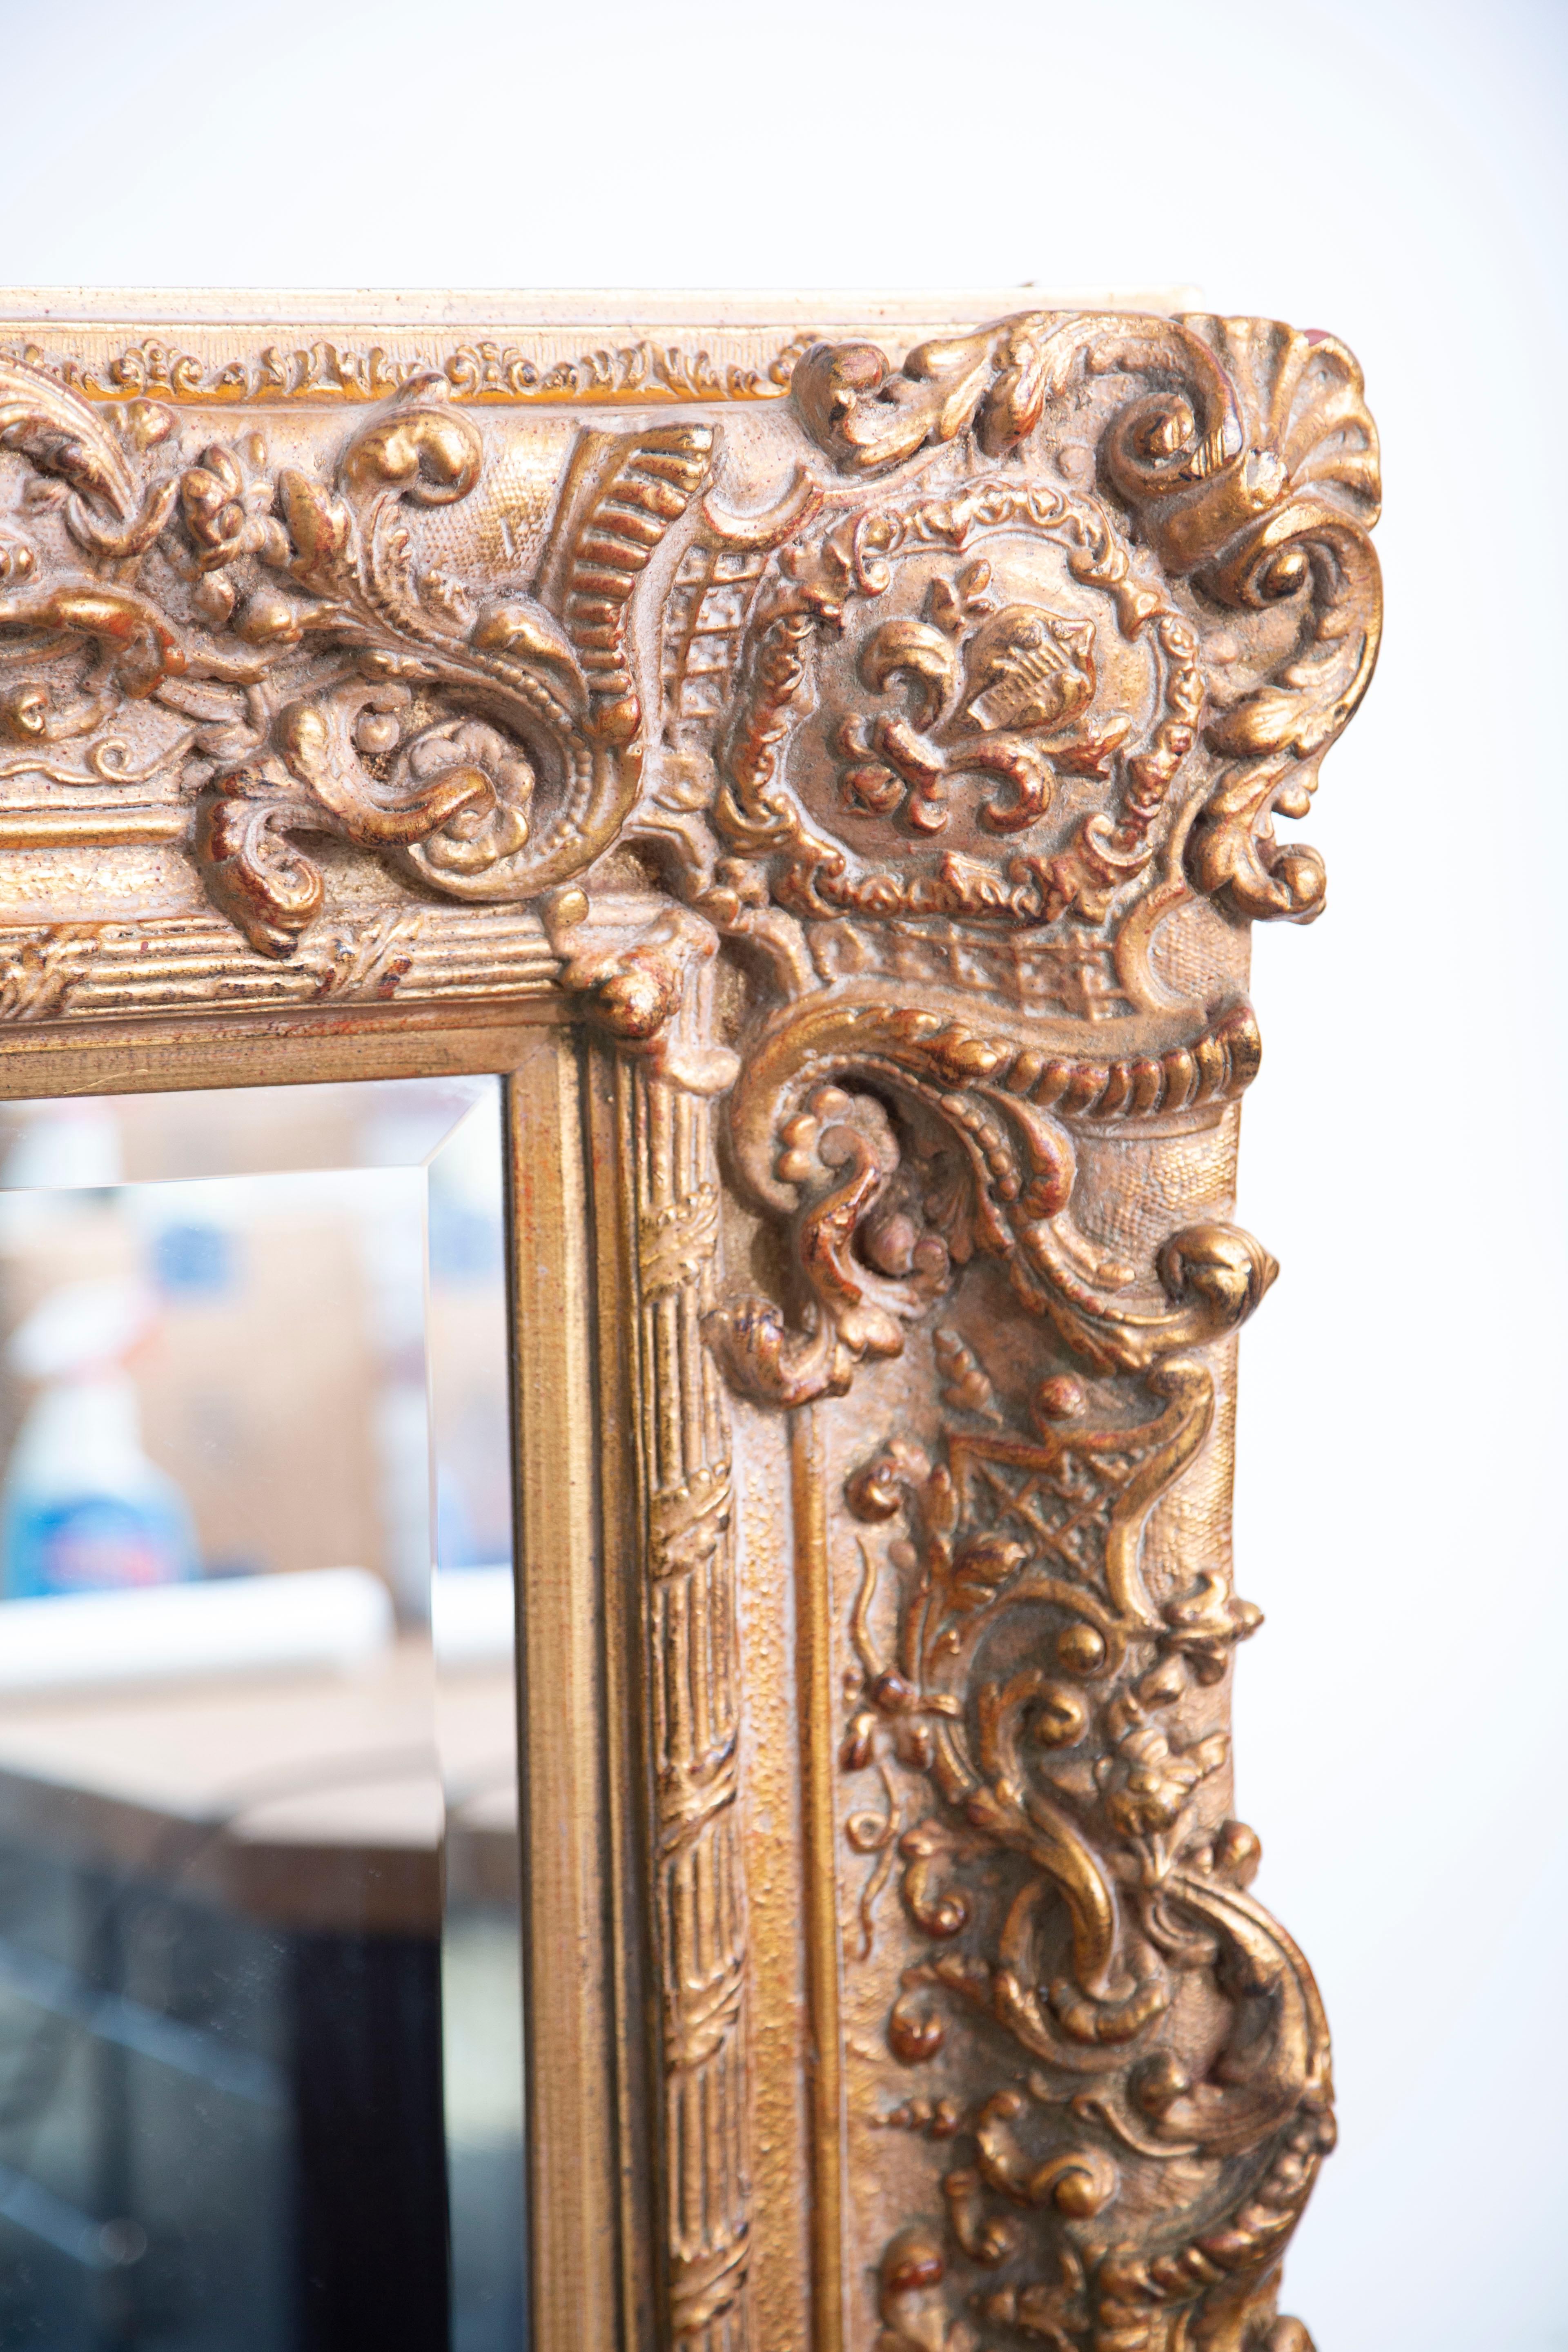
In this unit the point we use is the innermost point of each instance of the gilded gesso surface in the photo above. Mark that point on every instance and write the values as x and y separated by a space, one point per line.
882 740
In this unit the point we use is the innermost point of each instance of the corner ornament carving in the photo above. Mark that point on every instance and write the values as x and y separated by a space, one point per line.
890 760
1079 700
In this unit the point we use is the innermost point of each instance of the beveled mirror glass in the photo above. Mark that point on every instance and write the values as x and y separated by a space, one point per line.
260 1972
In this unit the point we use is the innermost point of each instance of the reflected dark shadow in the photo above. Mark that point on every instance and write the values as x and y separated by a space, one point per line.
260 1984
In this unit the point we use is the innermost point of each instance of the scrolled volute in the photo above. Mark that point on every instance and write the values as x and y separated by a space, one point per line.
1068 1768
339 681
456 789
476 720
961 1142
1249 464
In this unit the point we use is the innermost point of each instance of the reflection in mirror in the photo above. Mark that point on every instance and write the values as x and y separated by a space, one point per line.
261 1988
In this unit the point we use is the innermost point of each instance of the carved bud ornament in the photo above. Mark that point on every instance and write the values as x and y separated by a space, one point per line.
891 758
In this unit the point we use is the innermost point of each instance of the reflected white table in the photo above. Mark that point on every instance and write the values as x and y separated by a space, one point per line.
328 1813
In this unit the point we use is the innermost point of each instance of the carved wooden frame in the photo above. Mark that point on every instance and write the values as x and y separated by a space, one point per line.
827 753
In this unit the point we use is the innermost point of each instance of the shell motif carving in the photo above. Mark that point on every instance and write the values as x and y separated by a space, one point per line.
888 755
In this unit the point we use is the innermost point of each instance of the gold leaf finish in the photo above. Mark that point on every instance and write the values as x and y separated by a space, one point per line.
835 777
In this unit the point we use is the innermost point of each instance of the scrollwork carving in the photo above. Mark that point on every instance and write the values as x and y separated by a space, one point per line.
884 757
1249 462
1014 674
488 746
991 1168
1123 1887
1037 1705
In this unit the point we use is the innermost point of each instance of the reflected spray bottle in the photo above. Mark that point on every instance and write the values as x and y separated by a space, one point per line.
82 1508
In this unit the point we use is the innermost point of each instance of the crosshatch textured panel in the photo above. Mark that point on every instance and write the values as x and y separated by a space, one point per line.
872 726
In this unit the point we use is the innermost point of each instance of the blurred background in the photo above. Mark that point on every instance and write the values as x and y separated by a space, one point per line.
1393 170
260 1990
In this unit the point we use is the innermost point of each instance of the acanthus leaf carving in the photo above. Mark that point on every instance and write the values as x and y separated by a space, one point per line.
953 704
991 1170
1249 462
339 685
1039 1719
1076 1767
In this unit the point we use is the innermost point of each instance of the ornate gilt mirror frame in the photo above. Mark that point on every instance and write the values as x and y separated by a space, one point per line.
827 753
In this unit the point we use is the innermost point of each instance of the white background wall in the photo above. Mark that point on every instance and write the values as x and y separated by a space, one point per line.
1393 170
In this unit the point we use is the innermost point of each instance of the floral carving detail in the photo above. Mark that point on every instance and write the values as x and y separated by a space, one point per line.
999 702
997 683
1068 1870
1050 1780
1021 666
338 685
1250 464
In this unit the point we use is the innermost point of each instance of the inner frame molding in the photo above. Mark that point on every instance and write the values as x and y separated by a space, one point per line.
827 750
